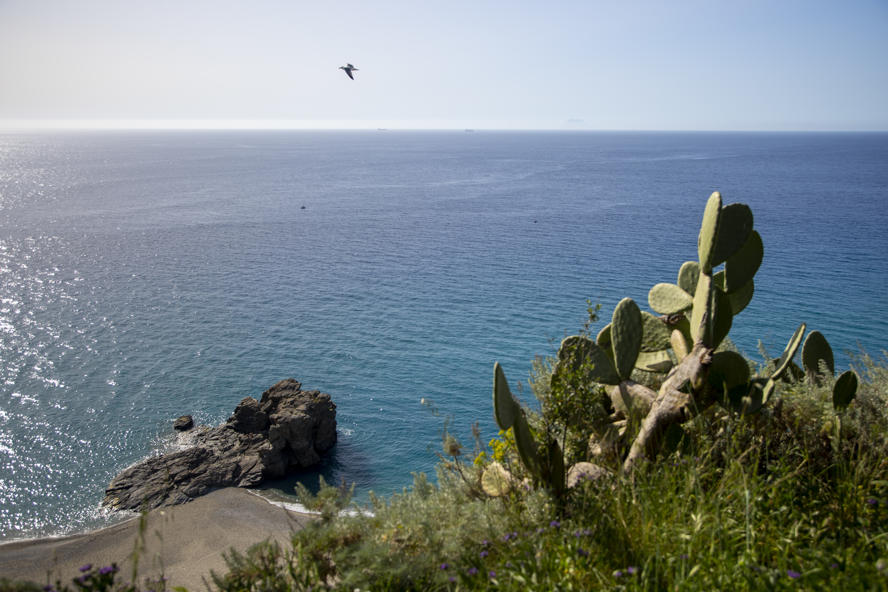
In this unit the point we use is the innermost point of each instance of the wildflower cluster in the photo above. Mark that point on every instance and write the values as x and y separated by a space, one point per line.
91 579
501 447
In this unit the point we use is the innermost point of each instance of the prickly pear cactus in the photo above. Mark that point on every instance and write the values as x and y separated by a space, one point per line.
681 342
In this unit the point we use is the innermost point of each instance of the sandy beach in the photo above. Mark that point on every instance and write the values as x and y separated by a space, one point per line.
183 543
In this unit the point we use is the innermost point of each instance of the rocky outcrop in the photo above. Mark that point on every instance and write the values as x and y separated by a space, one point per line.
286 430
184 423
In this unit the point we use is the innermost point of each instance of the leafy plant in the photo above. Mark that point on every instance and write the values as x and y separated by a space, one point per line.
328 501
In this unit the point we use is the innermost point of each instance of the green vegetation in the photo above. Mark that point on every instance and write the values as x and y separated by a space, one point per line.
660 459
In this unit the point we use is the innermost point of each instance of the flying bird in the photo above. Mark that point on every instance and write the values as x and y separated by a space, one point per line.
348 70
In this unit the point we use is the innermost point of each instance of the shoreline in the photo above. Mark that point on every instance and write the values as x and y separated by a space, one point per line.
183 543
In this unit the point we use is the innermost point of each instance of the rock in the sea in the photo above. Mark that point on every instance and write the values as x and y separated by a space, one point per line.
286 430
183 423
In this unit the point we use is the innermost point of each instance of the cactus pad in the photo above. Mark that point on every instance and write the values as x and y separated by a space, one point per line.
734 227
706 240
699 328
680 342
656 333
789 353
688 275
669 299
505 407
728 370
844 390
655 361
742 265
581 355
528 451
603 339
723 316
816 350
768 390
741 298
627 330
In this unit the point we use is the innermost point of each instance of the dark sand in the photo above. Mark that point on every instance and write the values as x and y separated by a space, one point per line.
181 542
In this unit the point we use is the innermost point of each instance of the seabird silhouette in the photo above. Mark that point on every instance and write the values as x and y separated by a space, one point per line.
348 70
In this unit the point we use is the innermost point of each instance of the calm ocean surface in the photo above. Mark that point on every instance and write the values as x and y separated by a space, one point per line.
147 275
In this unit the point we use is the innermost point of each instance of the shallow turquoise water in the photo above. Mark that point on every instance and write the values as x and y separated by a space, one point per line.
146 275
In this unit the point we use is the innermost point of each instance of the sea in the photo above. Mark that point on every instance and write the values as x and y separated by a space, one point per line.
146 275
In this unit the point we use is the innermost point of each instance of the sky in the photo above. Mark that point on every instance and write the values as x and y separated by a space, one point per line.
482 64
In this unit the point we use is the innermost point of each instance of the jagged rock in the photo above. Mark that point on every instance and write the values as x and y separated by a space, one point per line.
286 430
248 417
183 423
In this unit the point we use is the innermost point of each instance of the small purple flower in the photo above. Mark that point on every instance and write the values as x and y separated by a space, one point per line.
554 524
618 574
631 570
82 579
451 579
582 552
86 568
793 574
473 571
685 556
492 574
540 530
444 566
872 501
108 569
509 564
48 588
484 554
485 542
834 565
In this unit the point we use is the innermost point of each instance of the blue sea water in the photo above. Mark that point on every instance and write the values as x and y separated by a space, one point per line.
146 275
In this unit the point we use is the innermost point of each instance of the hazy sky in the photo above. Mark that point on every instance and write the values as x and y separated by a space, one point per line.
618 64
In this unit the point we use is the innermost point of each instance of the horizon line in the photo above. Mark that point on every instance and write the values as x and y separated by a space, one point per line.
56 125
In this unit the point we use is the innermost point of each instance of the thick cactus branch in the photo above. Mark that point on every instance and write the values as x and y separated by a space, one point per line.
675 403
